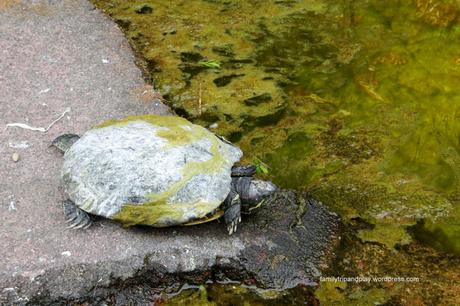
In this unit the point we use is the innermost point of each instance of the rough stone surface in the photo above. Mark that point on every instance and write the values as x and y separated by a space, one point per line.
60 54
134 163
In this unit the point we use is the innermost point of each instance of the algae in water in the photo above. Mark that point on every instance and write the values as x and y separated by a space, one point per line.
356 101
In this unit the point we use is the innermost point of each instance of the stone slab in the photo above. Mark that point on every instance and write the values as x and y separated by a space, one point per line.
59 55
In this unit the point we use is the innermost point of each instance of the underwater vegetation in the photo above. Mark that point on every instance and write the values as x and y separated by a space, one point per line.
357 102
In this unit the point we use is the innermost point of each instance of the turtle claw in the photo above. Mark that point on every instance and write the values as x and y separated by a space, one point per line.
232 227
75 217
80 223
232 214
71 217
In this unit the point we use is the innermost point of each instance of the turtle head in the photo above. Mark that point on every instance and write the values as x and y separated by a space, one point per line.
257 192
65 141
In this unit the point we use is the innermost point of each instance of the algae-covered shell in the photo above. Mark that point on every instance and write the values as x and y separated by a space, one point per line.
153 170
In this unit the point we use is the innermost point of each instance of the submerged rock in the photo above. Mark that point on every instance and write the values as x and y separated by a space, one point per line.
226 79
289 243
442 234
144 9
256 100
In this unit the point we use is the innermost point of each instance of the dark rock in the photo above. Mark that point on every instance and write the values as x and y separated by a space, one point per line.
182 112
236 63
189 70
249 122
256 100
192 57
225 50
235 136
123 23
226 79
152 66
210 115
170 32
443 234
293 240
229 117
144 9
254 141
190 66
241 61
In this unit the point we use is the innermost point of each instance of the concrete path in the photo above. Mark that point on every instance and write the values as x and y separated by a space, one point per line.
57 55
65 55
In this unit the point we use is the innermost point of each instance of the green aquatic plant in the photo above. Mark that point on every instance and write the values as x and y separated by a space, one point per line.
261 167
211 64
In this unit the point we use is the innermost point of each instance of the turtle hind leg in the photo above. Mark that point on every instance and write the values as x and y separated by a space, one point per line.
232 214
75 217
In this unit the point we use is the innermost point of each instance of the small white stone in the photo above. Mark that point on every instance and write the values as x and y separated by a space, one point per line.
66 253
15 157
214 125
44 91
105 61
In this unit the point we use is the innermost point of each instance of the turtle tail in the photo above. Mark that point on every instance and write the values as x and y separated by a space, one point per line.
65 141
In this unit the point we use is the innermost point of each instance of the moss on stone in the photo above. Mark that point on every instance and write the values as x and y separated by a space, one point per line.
441 233
388 234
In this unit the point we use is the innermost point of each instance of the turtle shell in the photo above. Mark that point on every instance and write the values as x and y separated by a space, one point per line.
152 170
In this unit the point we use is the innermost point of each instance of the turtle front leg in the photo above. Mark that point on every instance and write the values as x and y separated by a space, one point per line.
232 211
76 217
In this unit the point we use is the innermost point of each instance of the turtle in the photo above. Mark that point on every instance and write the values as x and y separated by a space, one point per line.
157 171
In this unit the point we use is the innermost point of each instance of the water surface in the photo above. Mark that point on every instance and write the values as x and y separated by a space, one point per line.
356 101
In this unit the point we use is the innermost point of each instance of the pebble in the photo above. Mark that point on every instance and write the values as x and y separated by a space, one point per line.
15 157
214 126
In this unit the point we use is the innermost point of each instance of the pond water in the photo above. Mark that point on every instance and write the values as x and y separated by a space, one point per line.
357 102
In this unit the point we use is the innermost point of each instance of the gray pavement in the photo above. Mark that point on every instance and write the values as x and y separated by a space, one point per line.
59 55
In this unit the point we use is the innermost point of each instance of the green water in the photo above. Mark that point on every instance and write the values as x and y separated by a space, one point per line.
356 101
220 294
